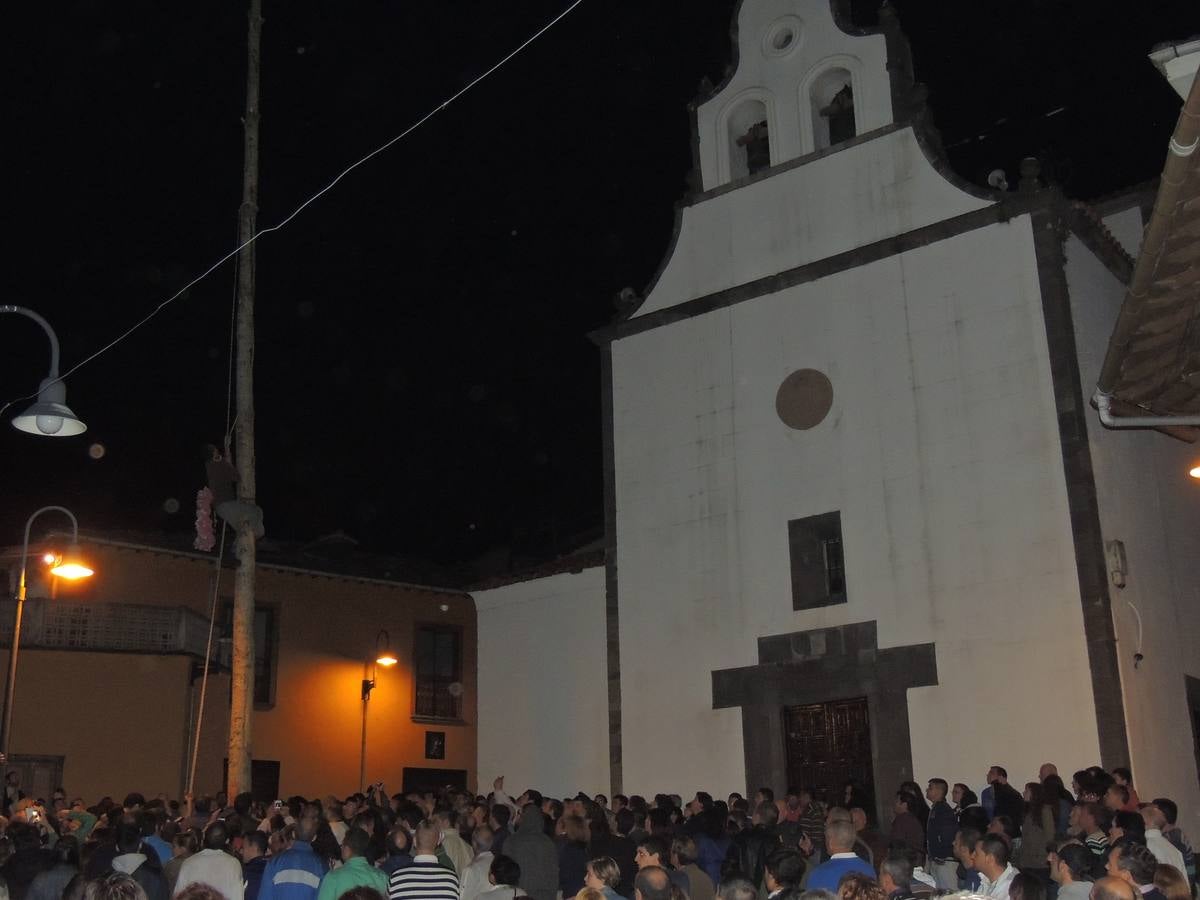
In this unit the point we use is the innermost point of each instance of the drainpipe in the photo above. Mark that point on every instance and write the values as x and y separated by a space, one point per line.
1104 403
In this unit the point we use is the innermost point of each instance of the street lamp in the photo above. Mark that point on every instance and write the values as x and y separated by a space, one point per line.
68 565
383 657
50 415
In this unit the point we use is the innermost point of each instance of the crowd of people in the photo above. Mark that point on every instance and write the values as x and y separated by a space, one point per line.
1097 841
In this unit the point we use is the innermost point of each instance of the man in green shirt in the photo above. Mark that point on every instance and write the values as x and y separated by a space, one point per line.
356 870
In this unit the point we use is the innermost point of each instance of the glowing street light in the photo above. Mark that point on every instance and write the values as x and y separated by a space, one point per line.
49 416
67 566
383 657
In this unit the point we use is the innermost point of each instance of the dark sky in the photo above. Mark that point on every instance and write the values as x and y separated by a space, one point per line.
424 378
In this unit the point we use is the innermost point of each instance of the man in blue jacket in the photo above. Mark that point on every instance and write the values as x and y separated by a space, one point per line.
839 841
295 874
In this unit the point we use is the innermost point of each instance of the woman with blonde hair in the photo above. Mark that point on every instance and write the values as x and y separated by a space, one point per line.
603 875
857 886
1171 882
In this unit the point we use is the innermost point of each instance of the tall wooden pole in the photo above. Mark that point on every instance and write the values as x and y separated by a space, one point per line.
242 702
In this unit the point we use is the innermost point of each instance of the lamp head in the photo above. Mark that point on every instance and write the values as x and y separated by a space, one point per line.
386 659
71 565
1195 470
50 416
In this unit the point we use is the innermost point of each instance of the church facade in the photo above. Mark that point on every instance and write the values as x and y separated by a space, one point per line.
862 523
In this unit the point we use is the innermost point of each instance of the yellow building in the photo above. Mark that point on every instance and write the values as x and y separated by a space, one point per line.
110 673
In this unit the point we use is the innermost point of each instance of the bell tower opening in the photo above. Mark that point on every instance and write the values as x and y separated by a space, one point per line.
832 100
749 140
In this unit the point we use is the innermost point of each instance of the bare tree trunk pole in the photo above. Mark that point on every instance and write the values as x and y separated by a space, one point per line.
242 702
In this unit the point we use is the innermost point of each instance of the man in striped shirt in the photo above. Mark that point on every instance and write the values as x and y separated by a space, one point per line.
425 878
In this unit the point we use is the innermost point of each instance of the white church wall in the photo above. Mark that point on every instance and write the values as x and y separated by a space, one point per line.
543 684
784 47
1148 502
942 454
857 196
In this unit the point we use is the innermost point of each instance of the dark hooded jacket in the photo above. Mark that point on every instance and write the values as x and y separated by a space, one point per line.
536 854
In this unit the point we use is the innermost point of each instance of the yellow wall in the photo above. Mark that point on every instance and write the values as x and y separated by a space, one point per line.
121 719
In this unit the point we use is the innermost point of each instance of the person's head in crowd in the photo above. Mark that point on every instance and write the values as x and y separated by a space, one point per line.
254 845
1055 790
602 872
1132 863
783 870
619 802
652 883
587 893
766 814
997 775
1072 862
991 857
1122 776
764 795
355 843
963 846
1026 887
133 802
683 851
736 888
1172 883
736 822
1109 888
858 818
216 836
936 790
425 838
838 814
575 830
839 837
624 820
119 886
1170 811
185 843
1116 797
1154 817
651 852
481 839
500 816
1046 770
857 886
963 796
1093 817
895 874
504 870
128 836
1127 825
905 803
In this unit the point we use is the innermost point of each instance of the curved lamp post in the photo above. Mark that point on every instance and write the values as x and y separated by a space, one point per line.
383 657
70 566
49 416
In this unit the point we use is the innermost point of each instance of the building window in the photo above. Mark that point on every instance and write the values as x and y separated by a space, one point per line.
757 148
833 109
266 643
438 672
749 139
818 561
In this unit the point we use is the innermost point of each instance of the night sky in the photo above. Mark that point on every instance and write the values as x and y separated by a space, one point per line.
424 379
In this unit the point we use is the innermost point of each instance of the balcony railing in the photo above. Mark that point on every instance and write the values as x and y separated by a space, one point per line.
122 627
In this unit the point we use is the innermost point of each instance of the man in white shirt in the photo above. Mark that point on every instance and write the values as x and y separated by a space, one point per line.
995 871
213 865
474 880
1164 851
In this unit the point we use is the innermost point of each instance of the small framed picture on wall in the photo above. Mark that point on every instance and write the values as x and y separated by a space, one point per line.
435 745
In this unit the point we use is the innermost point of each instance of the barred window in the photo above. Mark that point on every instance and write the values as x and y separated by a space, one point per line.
438 672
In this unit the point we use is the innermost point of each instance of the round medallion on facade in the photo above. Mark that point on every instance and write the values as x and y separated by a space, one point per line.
804 399
781 37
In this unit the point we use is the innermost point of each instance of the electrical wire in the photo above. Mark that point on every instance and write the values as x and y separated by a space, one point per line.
299 209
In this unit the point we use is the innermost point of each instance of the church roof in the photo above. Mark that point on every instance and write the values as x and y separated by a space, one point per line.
1153 358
